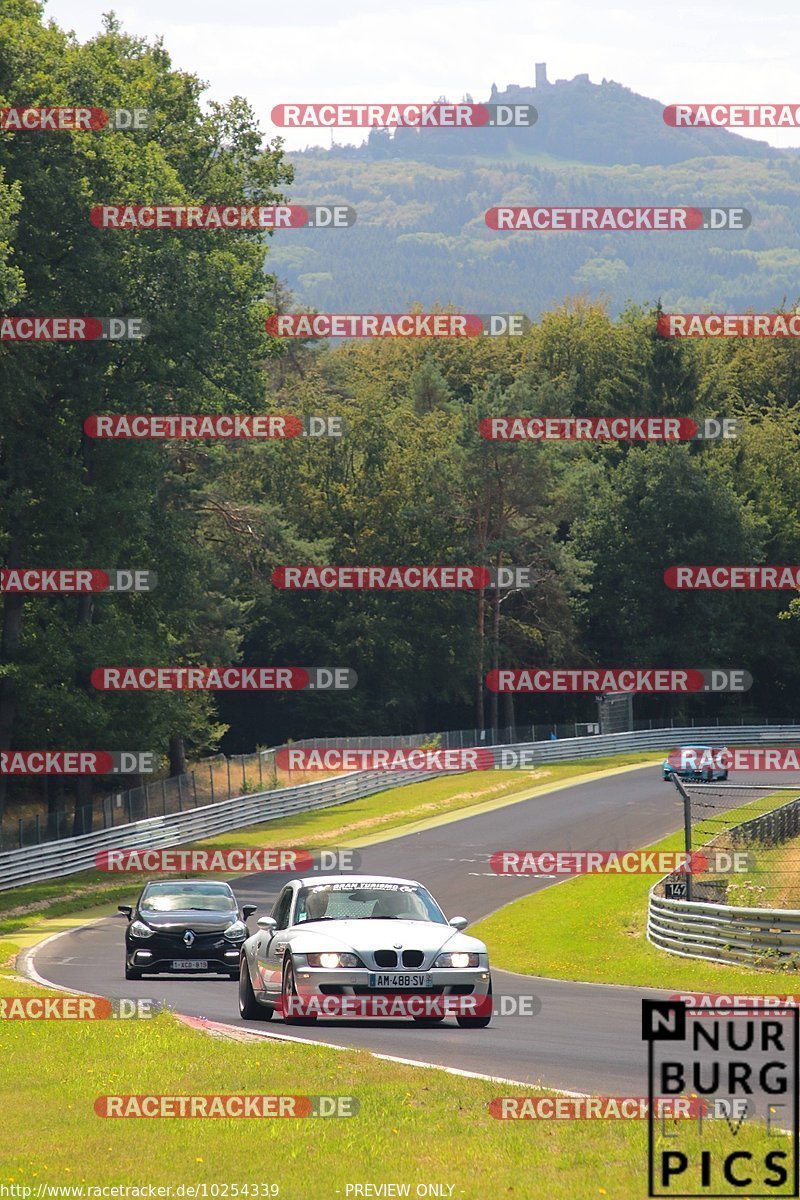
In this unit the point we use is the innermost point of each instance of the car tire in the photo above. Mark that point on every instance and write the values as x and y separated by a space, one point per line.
476 1022
249 1007
132 972
707 776
724 776
289 992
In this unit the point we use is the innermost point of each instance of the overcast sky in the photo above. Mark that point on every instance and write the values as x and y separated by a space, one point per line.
375 50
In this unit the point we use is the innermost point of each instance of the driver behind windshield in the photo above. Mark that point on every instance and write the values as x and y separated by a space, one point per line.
316 906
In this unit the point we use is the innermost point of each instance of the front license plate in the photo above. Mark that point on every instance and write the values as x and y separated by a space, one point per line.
190 964
394 979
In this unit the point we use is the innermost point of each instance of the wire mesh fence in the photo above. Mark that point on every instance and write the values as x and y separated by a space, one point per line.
745 845
210 781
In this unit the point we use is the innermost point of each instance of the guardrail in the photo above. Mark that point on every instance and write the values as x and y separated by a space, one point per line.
597 745
722 933
730 933
52 860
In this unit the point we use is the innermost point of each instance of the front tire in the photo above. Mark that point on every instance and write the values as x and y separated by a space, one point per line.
249 1008
289 994
477 1022
132 972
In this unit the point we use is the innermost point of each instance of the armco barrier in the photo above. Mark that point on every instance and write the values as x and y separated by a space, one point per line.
722 933
727 933
55 859
51 860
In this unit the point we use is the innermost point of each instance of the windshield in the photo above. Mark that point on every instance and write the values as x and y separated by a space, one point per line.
365 901
205 897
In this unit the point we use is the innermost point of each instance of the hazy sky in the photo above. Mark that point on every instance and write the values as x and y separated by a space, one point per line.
362 50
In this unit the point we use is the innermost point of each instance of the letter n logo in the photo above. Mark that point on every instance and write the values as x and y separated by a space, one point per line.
663 1020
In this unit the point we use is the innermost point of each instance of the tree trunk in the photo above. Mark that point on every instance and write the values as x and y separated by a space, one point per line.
480 719
177 755
10 639
55 804
494 697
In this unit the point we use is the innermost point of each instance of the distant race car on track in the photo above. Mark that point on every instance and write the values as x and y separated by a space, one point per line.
364 936
184 927
694 762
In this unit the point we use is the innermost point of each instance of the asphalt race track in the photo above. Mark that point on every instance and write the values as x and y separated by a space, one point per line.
584 1038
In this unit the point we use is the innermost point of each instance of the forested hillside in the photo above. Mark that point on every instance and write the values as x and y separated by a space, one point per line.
421 196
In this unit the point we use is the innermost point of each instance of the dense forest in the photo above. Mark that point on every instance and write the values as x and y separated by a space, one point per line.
410 482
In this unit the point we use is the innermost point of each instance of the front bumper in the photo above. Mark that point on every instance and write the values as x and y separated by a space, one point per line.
159 954
443 981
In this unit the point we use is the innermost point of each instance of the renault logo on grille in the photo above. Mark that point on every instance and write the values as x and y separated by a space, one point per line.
188 938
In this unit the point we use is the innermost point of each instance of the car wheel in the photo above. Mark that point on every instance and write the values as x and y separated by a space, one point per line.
476 1022
724 776
249 1007
289 994
707 776
132 972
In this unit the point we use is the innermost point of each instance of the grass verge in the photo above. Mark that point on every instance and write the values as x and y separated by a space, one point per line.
414 1126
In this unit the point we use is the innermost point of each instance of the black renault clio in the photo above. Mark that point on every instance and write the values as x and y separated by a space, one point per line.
185 927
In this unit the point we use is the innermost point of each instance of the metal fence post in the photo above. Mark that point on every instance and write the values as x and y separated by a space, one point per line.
228 764
687 832
211 780
163 796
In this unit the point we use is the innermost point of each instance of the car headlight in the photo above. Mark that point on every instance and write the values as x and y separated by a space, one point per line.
236 931
139 930
459 959
330 960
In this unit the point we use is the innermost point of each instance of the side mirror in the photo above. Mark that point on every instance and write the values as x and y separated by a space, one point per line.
458 922
127 909
248 910
268 924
